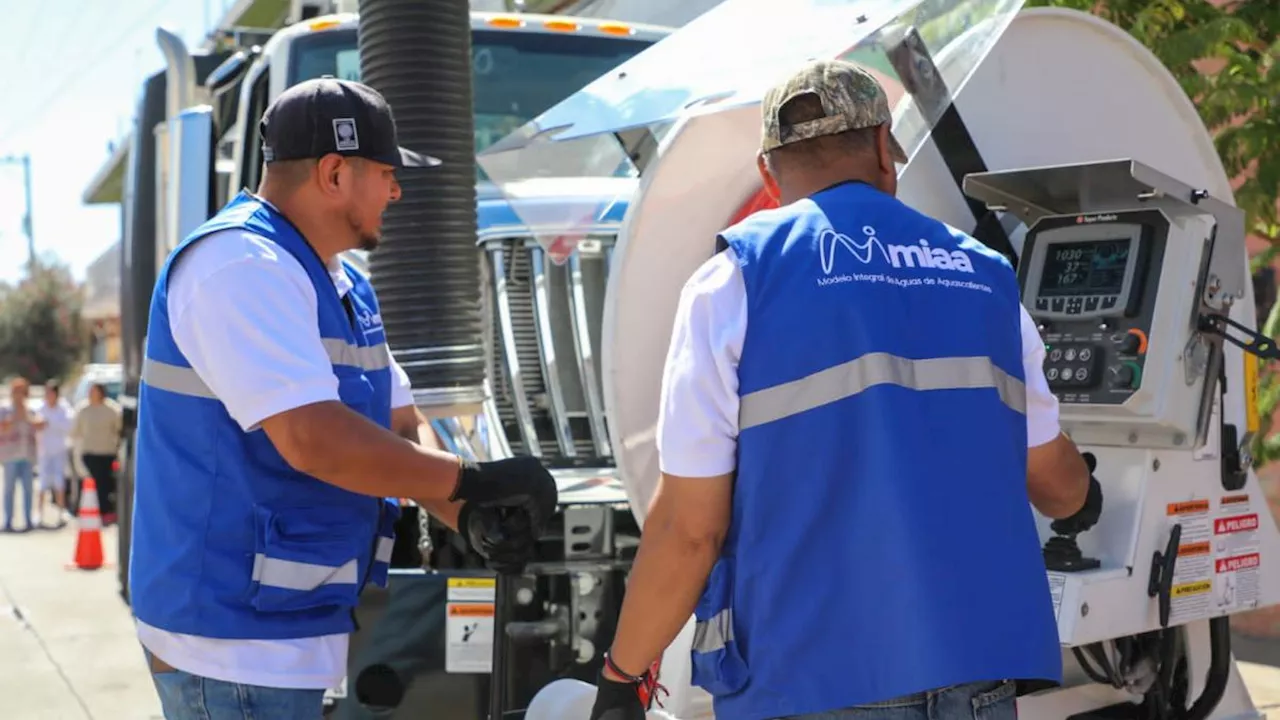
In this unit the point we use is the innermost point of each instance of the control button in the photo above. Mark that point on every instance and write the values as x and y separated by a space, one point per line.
1108 302
1051 374
1058 303
1130 343
1082 374
1042 303
1069 354
1128 376
1123 377
1091 304
1085 354
1055 355
1067 373
1073 309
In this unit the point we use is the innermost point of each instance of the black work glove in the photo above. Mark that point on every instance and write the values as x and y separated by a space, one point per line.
504 537
616 701
1087 516
514 483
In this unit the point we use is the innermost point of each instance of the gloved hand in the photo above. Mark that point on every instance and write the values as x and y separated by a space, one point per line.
616 701
502 536
1087 516
515 483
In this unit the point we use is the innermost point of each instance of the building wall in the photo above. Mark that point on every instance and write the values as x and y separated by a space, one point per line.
105 340
102 306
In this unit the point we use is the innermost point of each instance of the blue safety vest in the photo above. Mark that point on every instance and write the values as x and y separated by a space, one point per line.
882 542
229 541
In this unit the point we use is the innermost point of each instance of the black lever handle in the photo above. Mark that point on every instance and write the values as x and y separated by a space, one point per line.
536 630
1160 583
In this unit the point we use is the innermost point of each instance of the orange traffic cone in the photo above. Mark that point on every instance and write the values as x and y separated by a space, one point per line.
89 544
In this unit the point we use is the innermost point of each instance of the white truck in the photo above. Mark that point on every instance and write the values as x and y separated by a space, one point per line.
575 350
196 144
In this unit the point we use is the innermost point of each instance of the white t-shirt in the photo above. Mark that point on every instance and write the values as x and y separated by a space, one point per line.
52 440
698 416
243 312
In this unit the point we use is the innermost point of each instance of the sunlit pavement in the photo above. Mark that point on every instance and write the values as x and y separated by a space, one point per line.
67 646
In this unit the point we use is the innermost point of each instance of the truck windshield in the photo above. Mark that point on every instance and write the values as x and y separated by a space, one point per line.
516 75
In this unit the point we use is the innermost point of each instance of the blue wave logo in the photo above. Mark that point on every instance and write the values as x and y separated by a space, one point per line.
921 255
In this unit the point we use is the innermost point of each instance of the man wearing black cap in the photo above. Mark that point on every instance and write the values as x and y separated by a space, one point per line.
273 423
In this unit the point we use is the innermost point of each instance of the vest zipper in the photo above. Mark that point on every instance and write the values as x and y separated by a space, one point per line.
345 298
352 320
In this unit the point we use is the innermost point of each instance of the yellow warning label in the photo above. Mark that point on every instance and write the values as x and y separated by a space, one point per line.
1192 588
478 583
1251 392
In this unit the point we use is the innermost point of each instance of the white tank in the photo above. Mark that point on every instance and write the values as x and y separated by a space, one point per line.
1058 87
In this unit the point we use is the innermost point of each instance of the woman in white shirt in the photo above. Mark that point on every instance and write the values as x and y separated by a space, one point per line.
52 461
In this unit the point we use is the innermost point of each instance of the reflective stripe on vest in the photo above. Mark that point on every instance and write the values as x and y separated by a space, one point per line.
293 575
341 352
713 634
185 381
850 378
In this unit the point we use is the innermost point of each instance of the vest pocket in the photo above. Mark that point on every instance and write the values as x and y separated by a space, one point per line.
718 666
386 543
307 558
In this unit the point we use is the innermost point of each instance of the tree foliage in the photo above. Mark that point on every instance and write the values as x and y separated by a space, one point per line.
1226 56
1266 445
42 335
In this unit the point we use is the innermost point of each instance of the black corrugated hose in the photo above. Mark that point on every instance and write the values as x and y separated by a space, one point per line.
417 53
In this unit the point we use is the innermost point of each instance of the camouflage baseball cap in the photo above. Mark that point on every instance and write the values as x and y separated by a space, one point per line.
851 97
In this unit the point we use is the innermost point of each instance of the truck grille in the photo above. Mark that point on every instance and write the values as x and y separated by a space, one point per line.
544 325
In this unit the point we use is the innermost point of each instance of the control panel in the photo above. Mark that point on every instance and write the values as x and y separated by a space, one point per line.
1090 282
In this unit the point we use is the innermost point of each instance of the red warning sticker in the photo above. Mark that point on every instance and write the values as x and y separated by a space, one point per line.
1235 524
1239 562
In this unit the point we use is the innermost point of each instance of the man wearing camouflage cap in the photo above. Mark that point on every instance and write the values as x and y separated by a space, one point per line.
852 425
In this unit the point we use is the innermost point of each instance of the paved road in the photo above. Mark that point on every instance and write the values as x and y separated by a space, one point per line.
68 652
67 647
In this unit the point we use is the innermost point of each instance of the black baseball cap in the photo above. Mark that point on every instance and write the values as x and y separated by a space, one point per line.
327 115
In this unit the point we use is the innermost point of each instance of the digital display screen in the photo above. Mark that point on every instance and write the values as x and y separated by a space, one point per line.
1095 267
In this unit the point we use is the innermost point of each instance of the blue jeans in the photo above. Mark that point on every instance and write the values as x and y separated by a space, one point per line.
17 471
975 701
184 696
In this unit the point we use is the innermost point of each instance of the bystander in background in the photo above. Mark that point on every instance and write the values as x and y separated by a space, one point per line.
96 436
51 465
18 427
